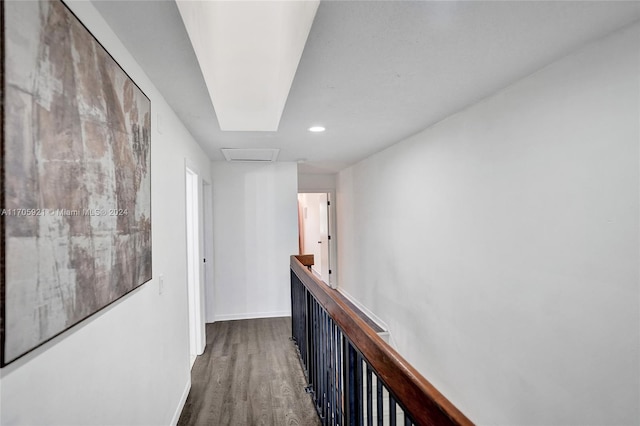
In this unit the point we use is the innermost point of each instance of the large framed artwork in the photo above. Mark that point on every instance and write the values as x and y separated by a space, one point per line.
76 176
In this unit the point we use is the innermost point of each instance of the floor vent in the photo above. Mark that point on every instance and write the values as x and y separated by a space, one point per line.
250 155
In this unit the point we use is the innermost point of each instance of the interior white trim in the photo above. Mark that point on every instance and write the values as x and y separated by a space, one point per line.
383 325
252 315
193 219
183 400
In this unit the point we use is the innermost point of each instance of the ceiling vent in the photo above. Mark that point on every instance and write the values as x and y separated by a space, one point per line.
250 155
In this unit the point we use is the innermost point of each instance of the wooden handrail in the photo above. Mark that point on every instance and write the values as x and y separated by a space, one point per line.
419 397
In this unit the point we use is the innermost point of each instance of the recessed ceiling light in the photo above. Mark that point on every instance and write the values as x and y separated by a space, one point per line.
316 129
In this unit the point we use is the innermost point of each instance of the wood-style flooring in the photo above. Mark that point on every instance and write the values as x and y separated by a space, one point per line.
249 374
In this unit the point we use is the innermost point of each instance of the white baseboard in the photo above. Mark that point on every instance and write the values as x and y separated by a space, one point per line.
252 315
183 400
386 336
365 310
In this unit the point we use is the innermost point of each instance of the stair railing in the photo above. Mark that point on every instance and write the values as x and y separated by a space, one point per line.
354 376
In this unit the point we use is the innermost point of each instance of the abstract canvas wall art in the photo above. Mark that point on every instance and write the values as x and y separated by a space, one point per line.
76 176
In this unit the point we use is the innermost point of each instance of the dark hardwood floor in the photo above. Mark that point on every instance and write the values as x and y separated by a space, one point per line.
249 374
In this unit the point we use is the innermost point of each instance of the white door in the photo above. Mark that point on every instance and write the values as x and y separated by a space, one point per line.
323 241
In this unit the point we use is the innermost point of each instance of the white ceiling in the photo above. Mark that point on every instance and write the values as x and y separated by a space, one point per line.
248 53
372 73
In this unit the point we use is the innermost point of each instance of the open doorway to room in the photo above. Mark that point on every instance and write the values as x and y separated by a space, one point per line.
316 233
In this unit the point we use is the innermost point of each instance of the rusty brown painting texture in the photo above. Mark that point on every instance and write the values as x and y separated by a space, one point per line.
76 155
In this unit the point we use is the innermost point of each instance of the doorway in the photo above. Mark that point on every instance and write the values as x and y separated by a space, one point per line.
207 254
194 276
316 235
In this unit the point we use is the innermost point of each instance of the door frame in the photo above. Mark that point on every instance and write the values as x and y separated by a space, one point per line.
208 265
333 242
193 240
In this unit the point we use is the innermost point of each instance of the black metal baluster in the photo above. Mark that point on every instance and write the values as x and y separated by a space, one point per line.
323 357
312 345
293 304
336 373
310 337
369 397
301 338
327 372
332 373
407 420
379 406
309 322
307 334
319 357
316 349
305 331
359 390
313 349
319 390
349 380
329 369
392 410
340 375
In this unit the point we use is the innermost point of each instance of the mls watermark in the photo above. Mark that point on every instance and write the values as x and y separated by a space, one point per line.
64 212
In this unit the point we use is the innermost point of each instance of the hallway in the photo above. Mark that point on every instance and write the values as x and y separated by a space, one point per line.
249 374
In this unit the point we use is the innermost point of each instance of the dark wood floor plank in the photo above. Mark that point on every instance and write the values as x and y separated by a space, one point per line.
249 374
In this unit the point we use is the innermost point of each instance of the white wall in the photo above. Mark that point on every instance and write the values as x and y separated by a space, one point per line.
311 182
255 217
129 364
501 245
